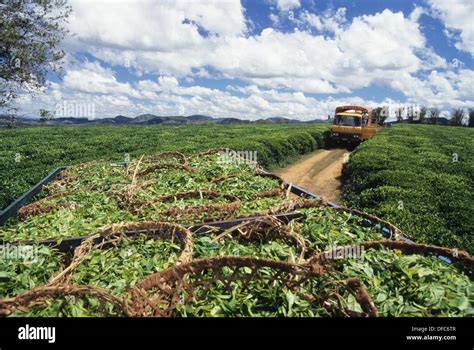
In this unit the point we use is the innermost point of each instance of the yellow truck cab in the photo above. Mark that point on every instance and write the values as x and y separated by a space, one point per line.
352 123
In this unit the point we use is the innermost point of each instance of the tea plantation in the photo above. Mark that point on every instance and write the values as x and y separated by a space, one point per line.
29 154
419 177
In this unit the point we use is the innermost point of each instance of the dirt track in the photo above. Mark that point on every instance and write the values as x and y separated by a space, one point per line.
318 172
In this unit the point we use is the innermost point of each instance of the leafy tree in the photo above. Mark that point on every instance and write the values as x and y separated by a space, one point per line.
11 121
45 115
30 33
434 115
377 116
401 114
471 118
457 117
423 112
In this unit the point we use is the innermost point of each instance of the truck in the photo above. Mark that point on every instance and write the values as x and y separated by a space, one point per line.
352 124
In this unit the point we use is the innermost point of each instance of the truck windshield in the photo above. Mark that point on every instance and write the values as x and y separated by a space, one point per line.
346 120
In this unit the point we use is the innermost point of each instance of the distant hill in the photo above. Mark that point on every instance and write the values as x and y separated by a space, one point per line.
280 120
149 119
443 121
123 120
231 121
146 118
200 118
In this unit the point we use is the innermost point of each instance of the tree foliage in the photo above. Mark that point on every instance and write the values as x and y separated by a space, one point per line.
423 113
45 114
457 117
434 115
30 32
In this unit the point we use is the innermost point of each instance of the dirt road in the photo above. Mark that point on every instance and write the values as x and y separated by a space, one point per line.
318 172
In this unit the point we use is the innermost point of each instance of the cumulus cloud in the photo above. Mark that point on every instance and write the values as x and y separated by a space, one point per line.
299 60
162 26
329 21
177 41
457 16
167 96
91 77
285 5
438 89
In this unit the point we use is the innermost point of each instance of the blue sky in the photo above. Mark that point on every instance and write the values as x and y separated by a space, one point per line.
259 59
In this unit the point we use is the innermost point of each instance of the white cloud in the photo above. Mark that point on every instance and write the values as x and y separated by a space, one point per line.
295 60
285 5
360 54
91 77
275 19
168 82
385 41
457 15
430 60
438 89
166 96
165 40
162 26
330 20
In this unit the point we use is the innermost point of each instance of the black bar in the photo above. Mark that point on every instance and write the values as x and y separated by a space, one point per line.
352 333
